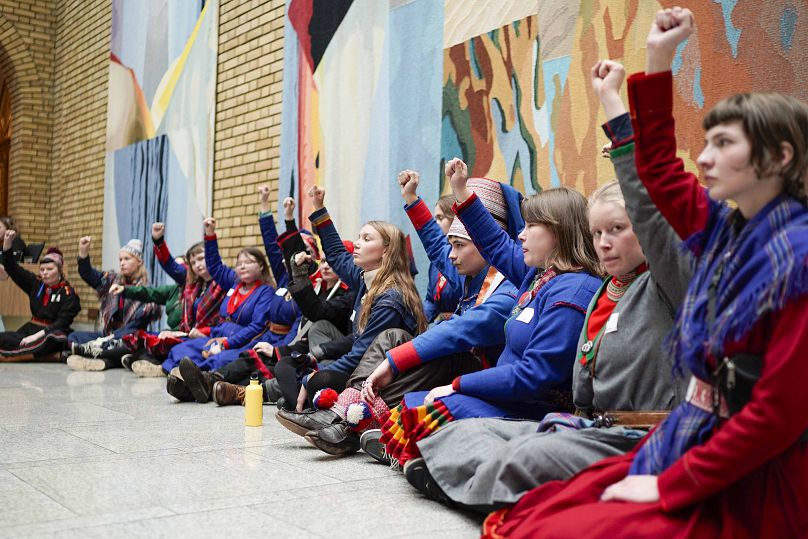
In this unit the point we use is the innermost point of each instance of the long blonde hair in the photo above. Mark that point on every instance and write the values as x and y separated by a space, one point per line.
394 273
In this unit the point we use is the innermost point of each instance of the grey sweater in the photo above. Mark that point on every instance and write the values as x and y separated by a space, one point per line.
631 370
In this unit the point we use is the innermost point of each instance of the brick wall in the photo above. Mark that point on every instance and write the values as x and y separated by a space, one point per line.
55 56
82 32
26 60
248 117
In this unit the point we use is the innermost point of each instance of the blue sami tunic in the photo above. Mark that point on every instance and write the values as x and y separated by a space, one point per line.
533 375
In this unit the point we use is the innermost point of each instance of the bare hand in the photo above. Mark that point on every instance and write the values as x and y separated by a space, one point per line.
669 29
168 334
210 226
84 246
264 348
607 78
317 195
378 379
408 180
116 289
32 338
634 488
158 230
288 208
195 334
606 151
301 399
8 240
458 174
263 197
302 259
3 274
437 393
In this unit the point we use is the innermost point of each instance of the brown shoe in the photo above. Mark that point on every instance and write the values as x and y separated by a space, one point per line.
225 393
198 381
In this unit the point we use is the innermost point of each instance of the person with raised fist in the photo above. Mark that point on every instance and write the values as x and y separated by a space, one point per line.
119 316
54 305
732 460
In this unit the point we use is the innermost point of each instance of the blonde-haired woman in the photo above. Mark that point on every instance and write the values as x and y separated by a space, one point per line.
379 272
119 316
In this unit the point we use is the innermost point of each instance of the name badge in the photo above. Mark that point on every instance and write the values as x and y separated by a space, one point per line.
611 324
280 292
526 315
353 315
53 297
231 292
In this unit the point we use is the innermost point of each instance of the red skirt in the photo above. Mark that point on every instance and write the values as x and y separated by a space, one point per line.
768 503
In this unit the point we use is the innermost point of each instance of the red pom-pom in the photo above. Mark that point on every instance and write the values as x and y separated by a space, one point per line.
325 399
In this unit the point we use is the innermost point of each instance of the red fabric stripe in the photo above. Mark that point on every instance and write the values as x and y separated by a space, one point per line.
419 214
405 357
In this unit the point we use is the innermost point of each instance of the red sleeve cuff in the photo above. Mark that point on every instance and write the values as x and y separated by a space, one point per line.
458 208
225 344
648 93
404 357
456 384
419 214
205 331
210 238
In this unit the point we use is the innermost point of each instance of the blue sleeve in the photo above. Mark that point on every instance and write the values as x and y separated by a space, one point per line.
260 314
483 325
89 274
176 271
270 236
430 309
494 244
335 253
545 363
435 242
224 276
381 318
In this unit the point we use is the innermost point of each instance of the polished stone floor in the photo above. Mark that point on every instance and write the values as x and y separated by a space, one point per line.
106 454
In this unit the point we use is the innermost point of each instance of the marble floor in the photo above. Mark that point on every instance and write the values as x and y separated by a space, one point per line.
105 454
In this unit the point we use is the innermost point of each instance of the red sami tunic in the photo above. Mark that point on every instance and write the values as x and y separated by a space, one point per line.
750 479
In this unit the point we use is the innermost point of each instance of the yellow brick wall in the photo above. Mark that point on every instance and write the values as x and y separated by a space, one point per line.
55 55
26 60
248 117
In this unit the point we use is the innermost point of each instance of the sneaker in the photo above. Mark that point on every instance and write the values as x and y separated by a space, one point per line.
371 445
81 363
272 390
147 369
418 475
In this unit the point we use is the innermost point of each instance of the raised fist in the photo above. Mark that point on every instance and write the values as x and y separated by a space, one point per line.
84 246
8 239
409 180
288 208
210 226
157 230
317 195
302 259
669 29
458 174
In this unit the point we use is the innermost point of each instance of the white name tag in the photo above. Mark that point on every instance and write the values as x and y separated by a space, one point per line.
231 292
526 315
611 324
280 292
53 297
353 315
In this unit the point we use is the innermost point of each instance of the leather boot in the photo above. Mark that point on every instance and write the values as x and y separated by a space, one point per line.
198 381
302 422
225 393
338 439
177 389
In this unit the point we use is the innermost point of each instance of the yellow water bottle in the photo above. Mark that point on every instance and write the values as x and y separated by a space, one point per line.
254 403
